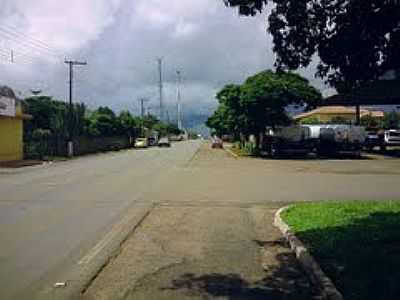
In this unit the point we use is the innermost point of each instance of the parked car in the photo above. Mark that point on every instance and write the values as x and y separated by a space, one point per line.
217 143
372 139
141 143
152 141
176 138
382 139
164 142
392 137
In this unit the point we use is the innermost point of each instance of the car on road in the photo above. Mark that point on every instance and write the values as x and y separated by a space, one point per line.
141 143
152 141
164 142
217 143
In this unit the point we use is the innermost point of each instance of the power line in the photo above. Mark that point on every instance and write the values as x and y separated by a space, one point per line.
27 41
15 31
15 57
24 44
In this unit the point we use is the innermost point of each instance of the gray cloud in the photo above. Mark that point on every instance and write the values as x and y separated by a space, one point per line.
208 42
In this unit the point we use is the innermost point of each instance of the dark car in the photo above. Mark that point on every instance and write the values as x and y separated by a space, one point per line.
217 143
152 141
164 142
372 140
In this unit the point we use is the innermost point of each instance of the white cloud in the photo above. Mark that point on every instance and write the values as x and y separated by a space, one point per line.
65 25
183 29
120 39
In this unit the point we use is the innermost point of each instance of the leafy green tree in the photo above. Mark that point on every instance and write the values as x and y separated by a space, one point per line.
391 120
232 110
266 95
53 115
128 125
370 122
217 122
356 40
260 102
103 122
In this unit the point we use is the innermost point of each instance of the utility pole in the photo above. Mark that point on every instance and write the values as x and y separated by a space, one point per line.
178 95
160 87
142 110
71 65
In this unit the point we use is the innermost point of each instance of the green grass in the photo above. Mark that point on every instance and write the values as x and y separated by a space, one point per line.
243 151
356 243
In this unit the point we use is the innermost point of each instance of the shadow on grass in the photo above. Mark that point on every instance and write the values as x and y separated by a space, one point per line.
284 282
363 258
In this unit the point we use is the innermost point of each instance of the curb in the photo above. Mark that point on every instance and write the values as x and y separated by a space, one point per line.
78 277
231 153
307 261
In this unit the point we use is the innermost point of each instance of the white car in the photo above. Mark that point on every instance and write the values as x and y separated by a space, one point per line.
141 143
392 137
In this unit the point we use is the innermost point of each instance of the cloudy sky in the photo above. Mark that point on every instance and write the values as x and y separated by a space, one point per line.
121 39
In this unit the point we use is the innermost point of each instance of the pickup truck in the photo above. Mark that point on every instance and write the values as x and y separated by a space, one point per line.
382 139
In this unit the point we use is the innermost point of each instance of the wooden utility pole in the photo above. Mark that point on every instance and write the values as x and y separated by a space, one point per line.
179 108
160 87
141 102
71 64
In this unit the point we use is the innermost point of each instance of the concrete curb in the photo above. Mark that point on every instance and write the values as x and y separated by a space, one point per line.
231 153
79 276
307 261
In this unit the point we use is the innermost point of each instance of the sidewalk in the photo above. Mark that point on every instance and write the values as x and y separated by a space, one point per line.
14 164
211 249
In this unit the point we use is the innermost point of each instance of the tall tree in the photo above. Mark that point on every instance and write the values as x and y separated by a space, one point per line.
260 102
266 95
356 40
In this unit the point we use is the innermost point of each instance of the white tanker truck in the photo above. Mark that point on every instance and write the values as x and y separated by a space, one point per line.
325 140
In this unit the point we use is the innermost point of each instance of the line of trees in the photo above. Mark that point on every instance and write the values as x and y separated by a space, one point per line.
51 118
260 102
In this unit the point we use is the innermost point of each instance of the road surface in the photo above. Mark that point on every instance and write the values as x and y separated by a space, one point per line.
210 236
51 217
204 222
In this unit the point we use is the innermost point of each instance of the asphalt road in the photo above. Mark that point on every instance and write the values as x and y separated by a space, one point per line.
52 217
211 234
204 222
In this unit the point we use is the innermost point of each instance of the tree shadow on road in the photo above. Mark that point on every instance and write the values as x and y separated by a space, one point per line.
285 282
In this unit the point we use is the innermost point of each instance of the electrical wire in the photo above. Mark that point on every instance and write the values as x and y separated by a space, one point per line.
38 42
25 41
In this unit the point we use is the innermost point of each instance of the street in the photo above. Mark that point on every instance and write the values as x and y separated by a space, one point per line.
211 235
204 222
51 216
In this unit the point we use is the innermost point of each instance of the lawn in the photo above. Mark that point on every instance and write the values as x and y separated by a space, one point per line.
356 243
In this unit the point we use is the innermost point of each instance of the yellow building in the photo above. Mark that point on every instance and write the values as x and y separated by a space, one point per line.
11 126
327 114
